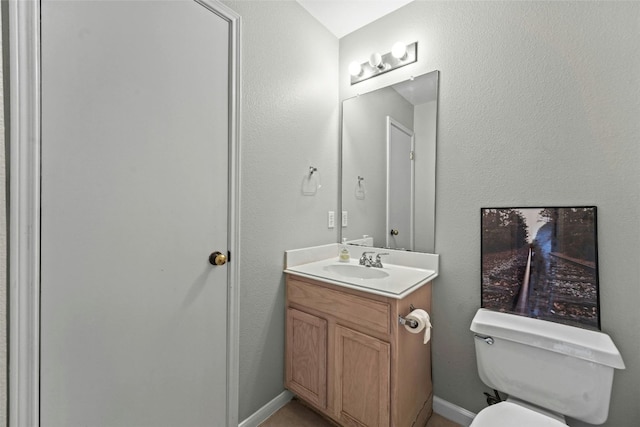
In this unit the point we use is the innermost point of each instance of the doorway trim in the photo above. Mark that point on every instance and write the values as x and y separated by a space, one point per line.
24 210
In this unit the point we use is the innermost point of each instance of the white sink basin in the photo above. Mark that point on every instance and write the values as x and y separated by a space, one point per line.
403 271
356 271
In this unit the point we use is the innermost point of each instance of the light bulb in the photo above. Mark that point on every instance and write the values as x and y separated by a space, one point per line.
355 69
399 50
375 60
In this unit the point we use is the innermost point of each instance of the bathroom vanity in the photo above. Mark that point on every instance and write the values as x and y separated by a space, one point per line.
347 355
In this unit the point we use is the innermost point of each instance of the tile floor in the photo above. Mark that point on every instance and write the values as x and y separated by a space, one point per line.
295 414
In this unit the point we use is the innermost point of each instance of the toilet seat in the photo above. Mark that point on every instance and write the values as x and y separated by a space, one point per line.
507 414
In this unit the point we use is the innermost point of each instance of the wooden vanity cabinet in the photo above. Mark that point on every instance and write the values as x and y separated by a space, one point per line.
349 359
307 352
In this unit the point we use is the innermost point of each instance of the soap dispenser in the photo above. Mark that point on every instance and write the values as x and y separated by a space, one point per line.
344 252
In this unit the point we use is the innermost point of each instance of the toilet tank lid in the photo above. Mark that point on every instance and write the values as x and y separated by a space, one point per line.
581 343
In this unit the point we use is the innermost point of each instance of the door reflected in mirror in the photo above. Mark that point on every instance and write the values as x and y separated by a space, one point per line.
388 165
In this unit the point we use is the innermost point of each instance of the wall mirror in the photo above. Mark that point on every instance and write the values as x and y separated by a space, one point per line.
388 165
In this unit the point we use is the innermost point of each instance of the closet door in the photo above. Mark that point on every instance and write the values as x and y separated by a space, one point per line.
135 134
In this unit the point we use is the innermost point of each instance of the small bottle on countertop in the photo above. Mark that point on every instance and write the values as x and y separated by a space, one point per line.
344 252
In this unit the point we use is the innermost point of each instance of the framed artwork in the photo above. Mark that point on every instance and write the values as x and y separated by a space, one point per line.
542 263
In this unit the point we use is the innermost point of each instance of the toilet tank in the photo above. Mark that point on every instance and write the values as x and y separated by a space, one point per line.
560 368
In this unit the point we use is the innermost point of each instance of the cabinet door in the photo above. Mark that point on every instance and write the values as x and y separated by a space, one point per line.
362 367
306 358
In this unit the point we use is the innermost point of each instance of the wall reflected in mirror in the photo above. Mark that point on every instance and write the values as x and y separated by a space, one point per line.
388 165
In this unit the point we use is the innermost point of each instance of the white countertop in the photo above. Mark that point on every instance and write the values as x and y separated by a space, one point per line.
405 271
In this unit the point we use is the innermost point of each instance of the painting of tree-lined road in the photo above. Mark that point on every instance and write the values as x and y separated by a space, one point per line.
541 263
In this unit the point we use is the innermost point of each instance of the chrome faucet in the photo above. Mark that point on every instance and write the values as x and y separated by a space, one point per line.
378 262
366 260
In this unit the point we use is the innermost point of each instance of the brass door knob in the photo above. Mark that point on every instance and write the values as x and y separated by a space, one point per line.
217 258
394 232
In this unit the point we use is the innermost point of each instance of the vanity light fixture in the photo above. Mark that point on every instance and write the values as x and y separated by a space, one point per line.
355 69
375 60
399 50
401 54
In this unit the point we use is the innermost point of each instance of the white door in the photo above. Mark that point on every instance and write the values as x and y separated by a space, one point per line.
400 185
135 111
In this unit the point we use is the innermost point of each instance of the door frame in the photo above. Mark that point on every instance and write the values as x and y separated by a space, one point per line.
24 210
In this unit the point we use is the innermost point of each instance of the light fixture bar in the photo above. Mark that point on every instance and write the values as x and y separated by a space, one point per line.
389 63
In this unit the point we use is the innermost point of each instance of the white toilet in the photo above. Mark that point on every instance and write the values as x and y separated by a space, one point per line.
549 371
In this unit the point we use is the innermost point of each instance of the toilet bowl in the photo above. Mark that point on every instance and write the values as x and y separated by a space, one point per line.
504 413
549 370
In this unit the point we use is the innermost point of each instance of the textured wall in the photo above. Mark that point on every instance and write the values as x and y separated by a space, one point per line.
289 122
3 259
538 105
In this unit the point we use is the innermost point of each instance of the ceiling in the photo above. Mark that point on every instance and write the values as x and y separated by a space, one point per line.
341 17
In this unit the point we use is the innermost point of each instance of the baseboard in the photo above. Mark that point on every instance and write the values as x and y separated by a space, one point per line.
453 412
267 410
448 410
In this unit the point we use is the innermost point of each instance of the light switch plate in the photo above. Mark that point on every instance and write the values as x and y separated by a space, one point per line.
331 219
345 218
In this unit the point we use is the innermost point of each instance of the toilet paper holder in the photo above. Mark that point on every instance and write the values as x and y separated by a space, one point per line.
412 323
